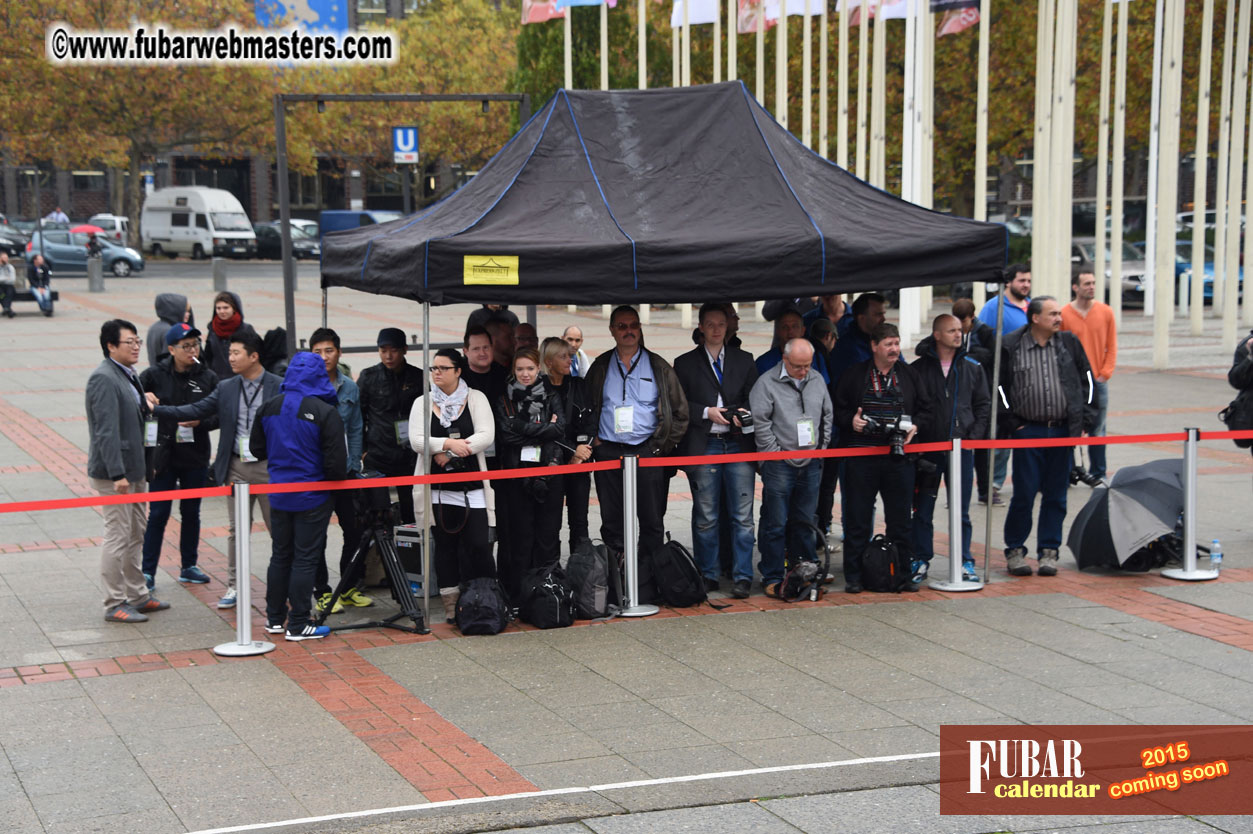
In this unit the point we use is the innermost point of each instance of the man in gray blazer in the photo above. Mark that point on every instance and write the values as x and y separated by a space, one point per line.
235 402
116 416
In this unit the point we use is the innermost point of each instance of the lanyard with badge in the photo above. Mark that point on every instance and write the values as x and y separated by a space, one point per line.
624 415
245 451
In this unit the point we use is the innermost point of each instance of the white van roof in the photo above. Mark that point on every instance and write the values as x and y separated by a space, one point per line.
193 197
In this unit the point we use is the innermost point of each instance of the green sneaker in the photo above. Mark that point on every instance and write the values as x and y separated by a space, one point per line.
356 599
325 600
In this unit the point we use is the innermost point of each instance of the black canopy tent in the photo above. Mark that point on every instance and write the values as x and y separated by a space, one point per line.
660 196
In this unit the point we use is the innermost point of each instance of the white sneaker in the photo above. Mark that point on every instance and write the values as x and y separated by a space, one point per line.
228 599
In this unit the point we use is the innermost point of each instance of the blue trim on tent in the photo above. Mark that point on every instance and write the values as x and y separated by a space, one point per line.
596 179
822 239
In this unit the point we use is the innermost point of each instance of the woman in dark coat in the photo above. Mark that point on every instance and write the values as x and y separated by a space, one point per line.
580 431
228 316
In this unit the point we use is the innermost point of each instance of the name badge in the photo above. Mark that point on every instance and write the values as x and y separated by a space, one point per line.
624 419
530 454
805 432
185 434
245 451
150 433
402 432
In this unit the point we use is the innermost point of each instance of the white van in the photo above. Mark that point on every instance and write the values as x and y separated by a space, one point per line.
198 222
115 226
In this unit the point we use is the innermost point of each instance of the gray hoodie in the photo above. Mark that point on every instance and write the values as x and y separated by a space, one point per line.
779 406
170 307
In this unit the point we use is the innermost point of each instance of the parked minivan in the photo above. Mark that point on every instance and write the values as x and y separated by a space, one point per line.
197 222
115 226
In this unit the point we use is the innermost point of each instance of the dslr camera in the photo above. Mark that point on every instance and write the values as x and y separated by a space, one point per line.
745 417
897 429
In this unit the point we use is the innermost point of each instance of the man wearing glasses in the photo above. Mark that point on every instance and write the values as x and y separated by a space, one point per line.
178 455
116 414
643 411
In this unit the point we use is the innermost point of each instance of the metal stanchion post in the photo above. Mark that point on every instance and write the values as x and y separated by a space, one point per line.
953 483
631 539
1189 572
244 645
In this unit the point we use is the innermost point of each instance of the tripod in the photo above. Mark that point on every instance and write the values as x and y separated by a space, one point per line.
378 533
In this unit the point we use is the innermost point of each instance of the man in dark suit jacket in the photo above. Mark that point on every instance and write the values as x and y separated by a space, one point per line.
716 380
116 415
235 403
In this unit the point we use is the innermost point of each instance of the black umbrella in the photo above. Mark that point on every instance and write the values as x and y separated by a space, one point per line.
1141 504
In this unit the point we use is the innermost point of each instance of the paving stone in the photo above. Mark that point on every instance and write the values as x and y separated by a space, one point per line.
739 817
574 773
1143 826
887 810
565 828
685 761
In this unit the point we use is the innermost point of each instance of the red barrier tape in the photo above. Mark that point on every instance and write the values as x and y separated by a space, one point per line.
842 452
457 478
104 500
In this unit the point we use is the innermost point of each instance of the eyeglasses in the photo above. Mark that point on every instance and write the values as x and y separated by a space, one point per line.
192 348
132 342
442 369
635 325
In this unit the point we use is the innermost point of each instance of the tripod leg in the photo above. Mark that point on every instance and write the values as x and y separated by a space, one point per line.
399 582
368 537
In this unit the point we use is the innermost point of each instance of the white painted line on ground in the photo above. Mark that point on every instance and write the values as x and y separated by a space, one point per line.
612 786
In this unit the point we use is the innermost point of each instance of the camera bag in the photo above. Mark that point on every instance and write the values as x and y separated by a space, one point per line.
482 607
678 579
596 579
1239 416
546 598
881 568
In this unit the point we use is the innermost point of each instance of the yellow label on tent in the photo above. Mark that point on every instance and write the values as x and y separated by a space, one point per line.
491 269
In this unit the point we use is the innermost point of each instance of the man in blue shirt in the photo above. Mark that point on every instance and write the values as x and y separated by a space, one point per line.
1017 297
325 343
642 411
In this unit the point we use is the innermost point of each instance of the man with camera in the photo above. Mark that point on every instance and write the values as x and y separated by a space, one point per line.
1046 390
717 380
879 402
957 388
791 410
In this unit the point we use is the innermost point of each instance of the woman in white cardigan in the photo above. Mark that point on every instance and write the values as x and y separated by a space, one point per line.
455 429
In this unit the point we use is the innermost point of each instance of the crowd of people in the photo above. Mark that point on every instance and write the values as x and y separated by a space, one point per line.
834 376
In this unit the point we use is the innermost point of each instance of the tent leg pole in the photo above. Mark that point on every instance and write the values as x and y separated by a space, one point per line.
1190 572
631 539
996 392
426 469
531 317
323 308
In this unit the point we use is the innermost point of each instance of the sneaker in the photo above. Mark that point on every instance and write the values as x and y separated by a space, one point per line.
968 572
918 570
124 614
982 498
1016 559
325 600
150 581
355 598
153 604
309 632
742 589
228 599
194 576
1048 562
274 628
997 500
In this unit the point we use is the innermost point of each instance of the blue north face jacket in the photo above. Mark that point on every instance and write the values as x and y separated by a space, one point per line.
300 434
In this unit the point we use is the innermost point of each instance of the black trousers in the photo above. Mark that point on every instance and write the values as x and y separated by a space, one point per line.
864 480
534 528
299 544
346 514
578 492
826 491
650 509
459 541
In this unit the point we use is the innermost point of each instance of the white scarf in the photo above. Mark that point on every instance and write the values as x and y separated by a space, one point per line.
450 405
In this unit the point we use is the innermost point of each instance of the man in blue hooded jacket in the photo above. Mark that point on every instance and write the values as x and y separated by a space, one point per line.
300 435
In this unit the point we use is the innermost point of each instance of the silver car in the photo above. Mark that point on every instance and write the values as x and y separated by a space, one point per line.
1083 254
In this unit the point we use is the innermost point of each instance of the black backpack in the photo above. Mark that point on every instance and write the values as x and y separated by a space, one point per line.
1239 416
596 578
546 599
678 579
881 567
804 579
482 607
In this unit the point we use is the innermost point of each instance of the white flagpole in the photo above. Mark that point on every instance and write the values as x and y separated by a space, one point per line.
807 78
1168 176
824 57
1248 238
909 113
863 83
642 37
718 40
687 45
1224 145
604 45
1119 163
676 60
1234 176
780 66
1102 146
841 119
565 48
1155 119
1062 144
733 36
926 86
878 102
981 134
1041 253
1200 179
761 53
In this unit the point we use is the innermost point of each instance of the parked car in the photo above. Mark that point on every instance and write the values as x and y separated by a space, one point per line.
66 251
1083 254
1184 221
115 226
270 242
339 219
1183 266
12 239
309 227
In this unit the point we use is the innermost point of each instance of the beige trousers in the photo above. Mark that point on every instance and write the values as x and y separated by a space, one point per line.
121 553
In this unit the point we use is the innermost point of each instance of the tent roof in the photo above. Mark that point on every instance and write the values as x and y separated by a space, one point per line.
663 196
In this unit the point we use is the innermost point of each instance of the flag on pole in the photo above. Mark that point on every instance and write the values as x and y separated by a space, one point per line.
957 20
952 5
889 10
746 20
698 12
560 5
539 11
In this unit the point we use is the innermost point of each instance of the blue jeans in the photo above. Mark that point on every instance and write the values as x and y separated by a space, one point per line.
787 492
1096 454
188 510
924 509
708 482
1044 471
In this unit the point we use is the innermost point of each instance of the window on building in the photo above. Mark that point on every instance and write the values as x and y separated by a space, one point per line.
371 11
383 183
89 180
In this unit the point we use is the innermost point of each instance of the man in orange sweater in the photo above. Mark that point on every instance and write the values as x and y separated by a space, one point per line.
1092 322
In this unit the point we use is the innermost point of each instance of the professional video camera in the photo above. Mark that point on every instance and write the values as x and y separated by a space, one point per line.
897 429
